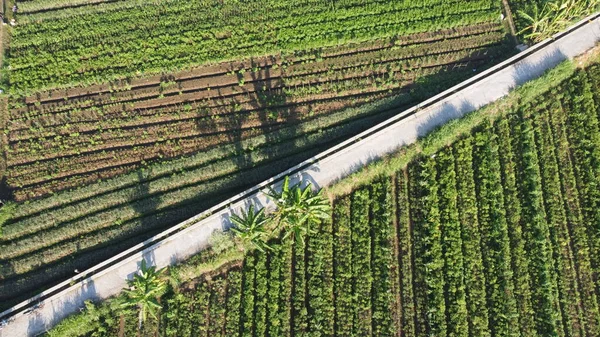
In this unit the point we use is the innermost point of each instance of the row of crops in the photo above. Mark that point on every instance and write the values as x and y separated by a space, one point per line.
496 234
112 40
56 144
90 164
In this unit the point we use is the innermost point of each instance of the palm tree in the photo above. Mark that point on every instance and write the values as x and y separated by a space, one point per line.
144 290
250 227
299 209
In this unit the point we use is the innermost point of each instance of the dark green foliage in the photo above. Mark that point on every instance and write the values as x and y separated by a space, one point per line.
342 268
248 297
405 243
383 258
475 282
260 293
285 295
275 268
429 259
320 282
217 307
582 120
199 315
575 218
503 315
564 266
537 235
299 310
456 306
512 202
361 262
234 292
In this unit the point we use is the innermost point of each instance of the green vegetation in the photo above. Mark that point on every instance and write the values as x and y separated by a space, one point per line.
438 239
250 227
298 209
127 117
204 100
85 45
6 212
543 18
144 290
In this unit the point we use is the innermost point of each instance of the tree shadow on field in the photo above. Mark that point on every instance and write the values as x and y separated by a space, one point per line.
36 324
525 72
477 97
438 117
268 101
46 313
5 191
257 108
141 204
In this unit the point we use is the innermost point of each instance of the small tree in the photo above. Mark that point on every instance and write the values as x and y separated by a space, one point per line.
298 209
144 290
250 227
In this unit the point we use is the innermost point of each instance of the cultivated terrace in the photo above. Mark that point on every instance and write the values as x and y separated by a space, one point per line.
122 118
126 117
487 227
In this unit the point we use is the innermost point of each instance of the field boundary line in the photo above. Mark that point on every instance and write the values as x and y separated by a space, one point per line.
511 21
189 237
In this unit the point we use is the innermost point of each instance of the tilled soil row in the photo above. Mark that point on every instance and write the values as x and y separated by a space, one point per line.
139 154
224 69
263 91
129 135
63 149
86 169
57 231
21 130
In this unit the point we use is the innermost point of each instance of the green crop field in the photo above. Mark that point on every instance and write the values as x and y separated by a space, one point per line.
122 118
487 227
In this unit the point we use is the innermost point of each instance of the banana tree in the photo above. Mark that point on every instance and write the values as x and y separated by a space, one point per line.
144 290
554 17
250 227
298 209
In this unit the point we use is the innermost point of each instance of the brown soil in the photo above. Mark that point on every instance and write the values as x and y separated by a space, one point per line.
126 154
84 134
264 62
177 126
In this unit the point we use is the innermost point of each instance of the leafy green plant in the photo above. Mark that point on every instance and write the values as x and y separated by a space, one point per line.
415 224
554 17
144 290
298 209
250 227
6 213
